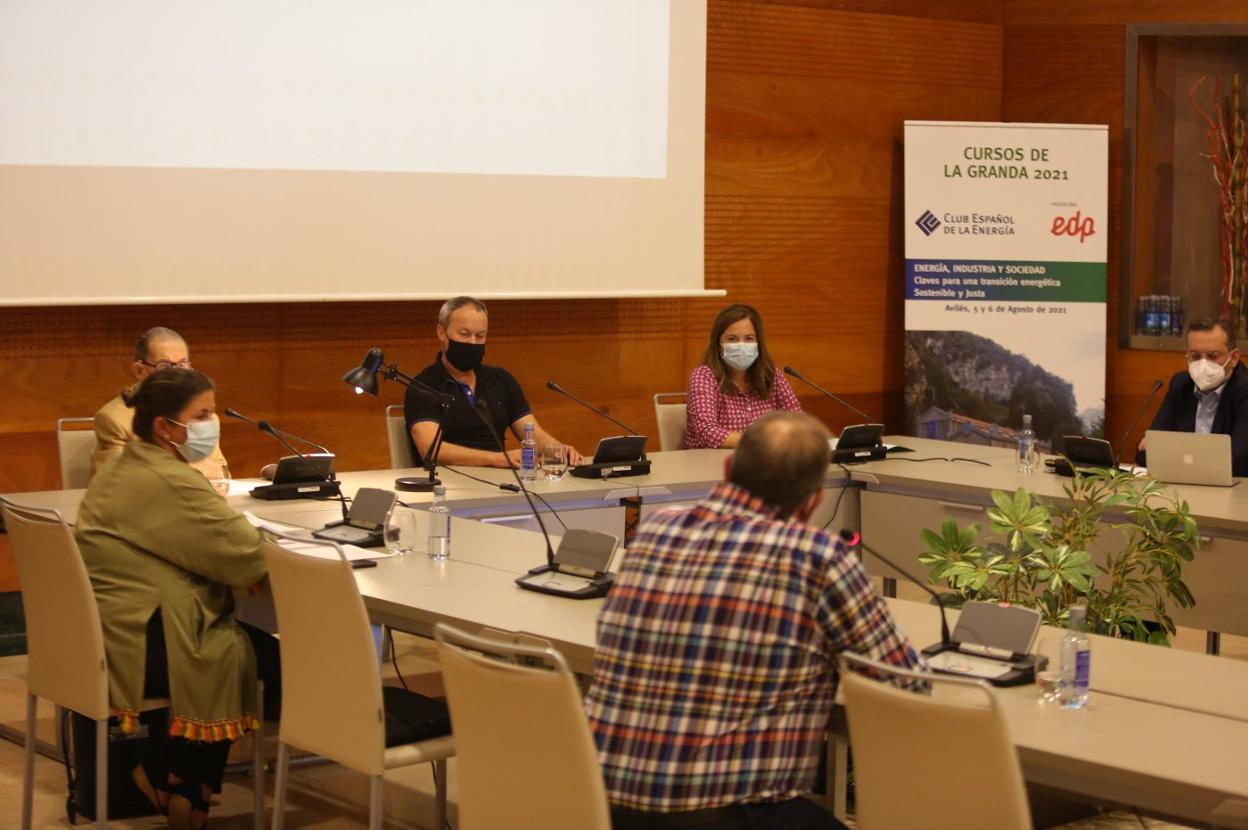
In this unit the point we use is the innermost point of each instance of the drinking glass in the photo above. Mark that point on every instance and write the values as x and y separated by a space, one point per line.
554 461
1049 678
218 475
401 531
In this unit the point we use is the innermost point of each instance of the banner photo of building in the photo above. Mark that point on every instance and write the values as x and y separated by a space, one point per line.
1005 231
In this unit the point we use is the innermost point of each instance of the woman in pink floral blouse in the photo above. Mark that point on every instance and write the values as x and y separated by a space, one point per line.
737 382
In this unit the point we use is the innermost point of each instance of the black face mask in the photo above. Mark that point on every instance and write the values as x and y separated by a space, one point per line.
466 357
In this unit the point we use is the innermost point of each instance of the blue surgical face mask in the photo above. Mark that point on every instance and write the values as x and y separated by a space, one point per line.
201 439
740 355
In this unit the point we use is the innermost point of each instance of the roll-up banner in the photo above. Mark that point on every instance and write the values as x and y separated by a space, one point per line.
1006 229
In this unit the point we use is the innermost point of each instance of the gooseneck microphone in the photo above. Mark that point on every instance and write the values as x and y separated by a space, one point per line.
265 426
554 387
269 429
483 412
1122 444
853 539
793 373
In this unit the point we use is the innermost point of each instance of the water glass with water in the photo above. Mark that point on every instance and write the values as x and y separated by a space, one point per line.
1049 678
554 461
218 475
401 530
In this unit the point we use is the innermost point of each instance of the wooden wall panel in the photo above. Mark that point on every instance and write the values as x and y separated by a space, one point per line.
1065 62
1074 14
970 11
805 103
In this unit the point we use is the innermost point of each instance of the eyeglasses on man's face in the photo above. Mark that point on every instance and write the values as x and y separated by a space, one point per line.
166 364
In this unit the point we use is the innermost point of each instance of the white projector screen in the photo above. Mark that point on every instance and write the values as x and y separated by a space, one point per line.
177 151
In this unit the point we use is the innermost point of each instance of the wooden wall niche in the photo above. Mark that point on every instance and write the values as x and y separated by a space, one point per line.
1171 228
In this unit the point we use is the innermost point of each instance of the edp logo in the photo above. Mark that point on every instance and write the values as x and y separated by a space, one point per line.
1077 225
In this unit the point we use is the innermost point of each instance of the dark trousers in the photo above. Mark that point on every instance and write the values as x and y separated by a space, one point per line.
795 814
203 762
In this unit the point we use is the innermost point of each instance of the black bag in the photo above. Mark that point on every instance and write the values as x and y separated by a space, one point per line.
412 717
125 800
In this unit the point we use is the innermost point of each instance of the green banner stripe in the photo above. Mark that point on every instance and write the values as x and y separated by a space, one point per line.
1050 282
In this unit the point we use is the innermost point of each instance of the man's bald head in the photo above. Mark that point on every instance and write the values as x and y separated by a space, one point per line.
782 459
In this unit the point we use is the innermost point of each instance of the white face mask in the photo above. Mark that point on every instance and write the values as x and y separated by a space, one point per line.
740 355
1206 374
201 439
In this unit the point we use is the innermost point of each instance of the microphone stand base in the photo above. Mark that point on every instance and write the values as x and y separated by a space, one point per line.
548 579
609 469
859 456
296 490
417 485
1020 672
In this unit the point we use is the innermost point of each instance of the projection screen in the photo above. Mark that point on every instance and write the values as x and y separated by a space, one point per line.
272 150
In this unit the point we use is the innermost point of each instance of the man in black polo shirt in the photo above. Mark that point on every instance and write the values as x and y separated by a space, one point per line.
461 330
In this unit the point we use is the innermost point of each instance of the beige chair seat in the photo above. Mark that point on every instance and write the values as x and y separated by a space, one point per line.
337 711
75 444
672 418
902 740
526 759
434 749
397 439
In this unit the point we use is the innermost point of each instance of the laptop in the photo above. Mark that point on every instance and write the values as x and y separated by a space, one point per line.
1189 458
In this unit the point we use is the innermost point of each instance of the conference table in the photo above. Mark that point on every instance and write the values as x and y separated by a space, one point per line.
890 500
1165 731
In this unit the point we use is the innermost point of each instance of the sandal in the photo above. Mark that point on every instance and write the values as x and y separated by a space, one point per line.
144 775
185 800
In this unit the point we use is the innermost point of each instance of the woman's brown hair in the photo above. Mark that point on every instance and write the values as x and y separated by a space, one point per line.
761 376
164 394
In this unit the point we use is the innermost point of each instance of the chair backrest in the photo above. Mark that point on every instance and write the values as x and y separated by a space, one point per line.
65 645
672 418
902 739
396 434
331 684
75 444
525 757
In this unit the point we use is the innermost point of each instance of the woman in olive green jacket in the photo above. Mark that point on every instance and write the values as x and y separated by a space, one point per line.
164 552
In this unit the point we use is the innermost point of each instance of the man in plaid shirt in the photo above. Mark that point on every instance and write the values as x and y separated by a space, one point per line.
717 646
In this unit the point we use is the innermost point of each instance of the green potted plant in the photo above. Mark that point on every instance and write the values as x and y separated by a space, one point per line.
1118 543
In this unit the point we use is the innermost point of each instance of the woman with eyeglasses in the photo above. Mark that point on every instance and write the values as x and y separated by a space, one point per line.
737 382
165 552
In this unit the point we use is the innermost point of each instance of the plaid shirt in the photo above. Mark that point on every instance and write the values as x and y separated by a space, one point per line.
714 414
716 653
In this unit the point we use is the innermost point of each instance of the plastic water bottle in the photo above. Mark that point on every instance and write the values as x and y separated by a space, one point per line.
1027 453
1076 661
439 546
528 455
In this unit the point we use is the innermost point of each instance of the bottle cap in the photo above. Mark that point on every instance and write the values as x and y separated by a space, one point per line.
1026 420
1078 614
439 490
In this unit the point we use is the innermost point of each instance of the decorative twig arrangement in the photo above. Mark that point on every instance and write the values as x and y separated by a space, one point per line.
1226 151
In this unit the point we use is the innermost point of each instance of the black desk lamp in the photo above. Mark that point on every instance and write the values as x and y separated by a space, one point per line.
363 378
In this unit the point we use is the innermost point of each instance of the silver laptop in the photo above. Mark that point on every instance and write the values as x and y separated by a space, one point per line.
1189 458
